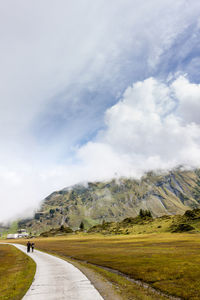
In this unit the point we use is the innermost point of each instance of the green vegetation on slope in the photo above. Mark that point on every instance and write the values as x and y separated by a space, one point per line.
142 224
16 273
62 230
163 194
190 221
11 228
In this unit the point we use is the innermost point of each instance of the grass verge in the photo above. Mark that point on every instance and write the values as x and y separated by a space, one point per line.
17 271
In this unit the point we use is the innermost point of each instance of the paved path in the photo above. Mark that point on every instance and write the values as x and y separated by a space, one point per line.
57 279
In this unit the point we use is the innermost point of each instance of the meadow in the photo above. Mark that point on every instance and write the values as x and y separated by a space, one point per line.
16 272
168 262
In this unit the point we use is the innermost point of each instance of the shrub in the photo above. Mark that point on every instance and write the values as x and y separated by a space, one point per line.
183 227
190 214
82 226
145 213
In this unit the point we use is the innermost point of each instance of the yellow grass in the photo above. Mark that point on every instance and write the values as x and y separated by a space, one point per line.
124 288
168 262
16 273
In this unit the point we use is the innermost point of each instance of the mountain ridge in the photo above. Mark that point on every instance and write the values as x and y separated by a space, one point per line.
167 193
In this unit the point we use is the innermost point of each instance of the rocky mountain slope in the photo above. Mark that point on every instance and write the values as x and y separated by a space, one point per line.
163 194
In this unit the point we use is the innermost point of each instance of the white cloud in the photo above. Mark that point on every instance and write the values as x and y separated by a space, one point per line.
144 131
51 53
147 130
189 99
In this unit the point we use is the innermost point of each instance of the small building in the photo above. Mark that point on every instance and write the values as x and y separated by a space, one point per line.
21 230
12 236
21 233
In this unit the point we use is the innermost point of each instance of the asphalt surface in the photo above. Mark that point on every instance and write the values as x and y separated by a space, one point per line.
57 279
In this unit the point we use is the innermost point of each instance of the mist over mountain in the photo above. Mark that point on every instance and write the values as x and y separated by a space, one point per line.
167 193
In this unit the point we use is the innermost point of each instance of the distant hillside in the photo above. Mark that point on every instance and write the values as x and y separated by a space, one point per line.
62 230
163 194
189 222
3 228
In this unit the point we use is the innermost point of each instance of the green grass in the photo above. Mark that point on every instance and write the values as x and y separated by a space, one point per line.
16 272
168 262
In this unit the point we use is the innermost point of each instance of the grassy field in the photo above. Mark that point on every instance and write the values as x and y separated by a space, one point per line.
168 262
114 286
16 273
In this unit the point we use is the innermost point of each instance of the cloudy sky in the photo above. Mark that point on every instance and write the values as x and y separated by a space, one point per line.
95 89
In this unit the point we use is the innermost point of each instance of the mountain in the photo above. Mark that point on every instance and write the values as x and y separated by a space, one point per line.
168 193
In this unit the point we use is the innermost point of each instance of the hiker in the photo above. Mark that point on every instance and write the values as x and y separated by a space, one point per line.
28 246
32 246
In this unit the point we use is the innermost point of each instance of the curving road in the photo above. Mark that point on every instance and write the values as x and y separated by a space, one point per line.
57 279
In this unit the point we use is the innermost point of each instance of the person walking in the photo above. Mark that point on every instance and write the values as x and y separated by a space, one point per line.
32 246
28 246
